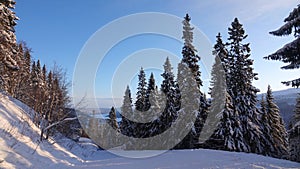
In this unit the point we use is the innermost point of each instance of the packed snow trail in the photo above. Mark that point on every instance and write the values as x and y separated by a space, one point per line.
20 148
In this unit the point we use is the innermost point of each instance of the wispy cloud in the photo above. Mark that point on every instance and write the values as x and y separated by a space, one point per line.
251 10
244 9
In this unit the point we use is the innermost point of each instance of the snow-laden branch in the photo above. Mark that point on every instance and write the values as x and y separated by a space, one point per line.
60 122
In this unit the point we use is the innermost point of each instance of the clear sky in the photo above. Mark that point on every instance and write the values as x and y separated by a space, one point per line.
57 31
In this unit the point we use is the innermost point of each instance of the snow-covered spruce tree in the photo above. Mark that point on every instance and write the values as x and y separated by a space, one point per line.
110 135
22 77
218 82
150 89
141 91
39 93
152 127
242 91
51 97
139 128
218 72
278 131
266 128
8 44
35 87
221 53
112 121
126 114
218 93
228 135
44 91
296 116
44 75
153 109
15 77
168 89
290 52
189 53
12 80
294 134
189 111
190 57
56 113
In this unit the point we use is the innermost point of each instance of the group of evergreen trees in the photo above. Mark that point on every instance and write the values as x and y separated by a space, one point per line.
24 79
177 101
290 54
240 125
243 126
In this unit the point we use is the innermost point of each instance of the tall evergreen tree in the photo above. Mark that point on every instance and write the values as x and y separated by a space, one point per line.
155 108
189 111
150 89
220 49
23 75
44 75
51 98
36 89
126 114
8 47
228 135
141 91
221 56
242 91
294 134
278 131
36 76
269 149
218 92
189 52
112 135
191 58
151 128
168 88
15 77
262 104
218 81
112 121
44 91
296 117
290 52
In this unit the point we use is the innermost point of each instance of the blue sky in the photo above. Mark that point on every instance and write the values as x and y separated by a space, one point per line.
57 31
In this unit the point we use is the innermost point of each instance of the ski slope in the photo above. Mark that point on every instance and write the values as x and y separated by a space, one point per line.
20 148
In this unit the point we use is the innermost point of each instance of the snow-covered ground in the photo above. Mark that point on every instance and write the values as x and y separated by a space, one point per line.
20 148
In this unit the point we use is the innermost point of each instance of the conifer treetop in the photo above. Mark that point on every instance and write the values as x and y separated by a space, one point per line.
188 33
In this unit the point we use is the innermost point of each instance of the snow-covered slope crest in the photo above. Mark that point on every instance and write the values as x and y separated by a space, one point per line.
20 148
19 140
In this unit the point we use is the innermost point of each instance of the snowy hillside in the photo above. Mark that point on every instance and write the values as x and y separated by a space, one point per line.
19 141
20 148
